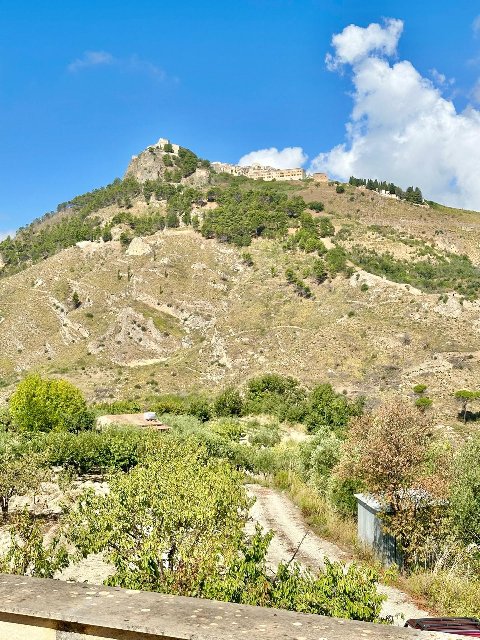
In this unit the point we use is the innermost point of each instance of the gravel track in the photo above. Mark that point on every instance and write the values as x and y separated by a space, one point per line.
273 510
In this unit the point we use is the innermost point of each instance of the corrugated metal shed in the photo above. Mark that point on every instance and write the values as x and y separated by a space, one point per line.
371 533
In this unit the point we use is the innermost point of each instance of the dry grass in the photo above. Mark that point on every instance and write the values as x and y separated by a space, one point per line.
450 593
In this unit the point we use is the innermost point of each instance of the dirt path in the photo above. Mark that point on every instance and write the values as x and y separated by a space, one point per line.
275 511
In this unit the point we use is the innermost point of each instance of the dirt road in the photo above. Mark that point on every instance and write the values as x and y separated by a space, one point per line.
275 511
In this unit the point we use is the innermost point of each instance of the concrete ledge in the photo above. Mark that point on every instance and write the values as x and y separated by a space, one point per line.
37 609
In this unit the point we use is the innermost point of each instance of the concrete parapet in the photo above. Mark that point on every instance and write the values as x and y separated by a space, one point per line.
38 609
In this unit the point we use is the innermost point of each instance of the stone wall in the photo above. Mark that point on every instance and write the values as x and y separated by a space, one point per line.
36 609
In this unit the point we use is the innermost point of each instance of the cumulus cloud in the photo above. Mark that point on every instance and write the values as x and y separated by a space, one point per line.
133 64
401 127
287 158
354 43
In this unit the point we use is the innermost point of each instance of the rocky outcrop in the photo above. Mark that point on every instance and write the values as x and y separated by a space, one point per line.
161 159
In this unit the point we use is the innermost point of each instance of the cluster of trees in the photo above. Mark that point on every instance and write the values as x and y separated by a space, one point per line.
411 194
244 215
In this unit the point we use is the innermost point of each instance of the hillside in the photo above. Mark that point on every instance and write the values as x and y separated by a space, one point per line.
173 310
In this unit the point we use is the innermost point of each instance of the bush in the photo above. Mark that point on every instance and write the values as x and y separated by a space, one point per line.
325 407
41 404
465 492
265 436
229 428
316 206
228 403
274 394
336 260
119 448
340 188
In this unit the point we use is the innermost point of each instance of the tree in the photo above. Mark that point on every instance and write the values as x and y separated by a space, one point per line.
168 148
42 404
326 407
29 555
336 259
390 452
319 271
228 403
465 397
76 300
423 403
19 473
465 493
167 524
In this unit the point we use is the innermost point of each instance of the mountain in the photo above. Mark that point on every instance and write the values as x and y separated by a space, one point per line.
144 286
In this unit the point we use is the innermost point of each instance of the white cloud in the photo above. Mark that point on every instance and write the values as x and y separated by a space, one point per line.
402 128
287 158
91 59
132 64
476 25
356 43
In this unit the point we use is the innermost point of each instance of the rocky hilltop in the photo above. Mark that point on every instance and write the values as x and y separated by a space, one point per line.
168 161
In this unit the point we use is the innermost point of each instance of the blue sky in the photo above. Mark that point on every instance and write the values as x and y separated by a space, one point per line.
84 85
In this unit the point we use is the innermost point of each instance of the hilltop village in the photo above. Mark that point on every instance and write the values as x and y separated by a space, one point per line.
259 172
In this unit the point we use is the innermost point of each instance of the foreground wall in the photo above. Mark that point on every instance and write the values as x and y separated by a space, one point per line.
36 609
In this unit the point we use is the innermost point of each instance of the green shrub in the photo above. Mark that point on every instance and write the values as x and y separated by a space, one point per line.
274 394
265 436
465 492
229 428
42 404
228 403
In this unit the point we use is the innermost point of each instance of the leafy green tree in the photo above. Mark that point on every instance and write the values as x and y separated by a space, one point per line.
465 397
275 394
29 555
76 300
465 492
336 260
107 234
319 271
172 220
20 472
335 591
325 227
167 147
166 524
328 408
228 402
42 404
